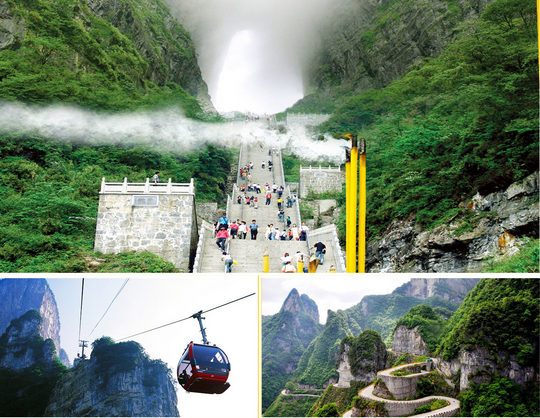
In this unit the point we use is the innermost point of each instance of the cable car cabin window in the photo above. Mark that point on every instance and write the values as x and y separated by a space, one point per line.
210 360
185 370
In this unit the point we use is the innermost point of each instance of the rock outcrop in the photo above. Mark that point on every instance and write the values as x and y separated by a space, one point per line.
478 366
18 296
172 58
372 43
504 220
409 341
139 387
447 289
361 358
22 345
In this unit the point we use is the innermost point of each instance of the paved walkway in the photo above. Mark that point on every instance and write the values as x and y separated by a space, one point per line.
396 406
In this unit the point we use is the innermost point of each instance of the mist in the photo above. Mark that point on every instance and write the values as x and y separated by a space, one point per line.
282 36
167 130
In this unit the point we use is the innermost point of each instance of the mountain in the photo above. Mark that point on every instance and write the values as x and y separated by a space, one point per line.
285 336
119 379
495 332
21 295
453 290
29 367
314 366
446 96
104 55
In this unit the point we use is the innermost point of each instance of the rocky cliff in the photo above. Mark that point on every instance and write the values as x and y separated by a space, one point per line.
494 332
361 358
22 345
29 367
489 228
454 290
160 40
118 380
21 295
409 341
369 43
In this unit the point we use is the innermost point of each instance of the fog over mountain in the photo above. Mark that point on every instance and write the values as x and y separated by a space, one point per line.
269 42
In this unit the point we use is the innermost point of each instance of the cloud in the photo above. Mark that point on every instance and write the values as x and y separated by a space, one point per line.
166 130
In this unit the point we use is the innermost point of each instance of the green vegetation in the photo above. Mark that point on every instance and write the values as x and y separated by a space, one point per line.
49 199
124 357
435 404
526 261
367 347
69 55
289 406
500 398
285 337
317 364
434 384
500 315
26 392
370 409
464 121
429 324
341 399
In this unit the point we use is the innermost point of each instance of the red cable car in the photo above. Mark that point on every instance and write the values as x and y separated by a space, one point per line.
203 369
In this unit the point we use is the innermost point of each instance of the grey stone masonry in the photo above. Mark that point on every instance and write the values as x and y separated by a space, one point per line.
157 218
319 180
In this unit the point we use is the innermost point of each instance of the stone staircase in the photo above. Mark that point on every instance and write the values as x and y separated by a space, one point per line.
249 253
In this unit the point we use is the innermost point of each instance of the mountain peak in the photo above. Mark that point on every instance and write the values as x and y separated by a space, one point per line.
296 303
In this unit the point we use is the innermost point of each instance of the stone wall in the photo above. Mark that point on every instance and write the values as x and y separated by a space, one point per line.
165 226
320 180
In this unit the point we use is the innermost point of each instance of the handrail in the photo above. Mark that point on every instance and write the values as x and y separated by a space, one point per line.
198 253
239 165
146 188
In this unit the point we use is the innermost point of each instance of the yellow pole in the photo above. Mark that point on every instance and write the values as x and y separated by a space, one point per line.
266 262
362 210
350 261
300 266
354 194
313 263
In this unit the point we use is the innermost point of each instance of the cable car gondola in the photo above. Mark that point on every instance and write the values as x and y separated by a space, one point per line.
203 368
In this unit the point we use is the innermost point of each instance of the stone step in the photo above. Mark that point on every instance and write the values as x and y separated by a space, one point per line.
249 253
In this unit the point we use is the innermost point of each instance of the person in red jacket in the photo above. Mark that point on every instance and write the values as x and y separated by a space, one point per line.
222 235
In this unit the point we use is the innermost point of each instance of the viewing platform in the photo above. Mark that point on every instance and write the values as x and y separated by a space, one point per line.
146 188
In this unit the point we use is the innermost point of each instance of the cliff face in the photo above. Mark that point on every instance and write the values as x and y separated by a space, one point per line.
22 345
454 290
21 295
133 385
502 220
495 331
361 358
409 341
160 40
370 43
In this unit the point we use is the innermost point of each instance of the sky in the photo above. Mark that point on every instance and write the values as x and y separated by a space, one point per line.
326 291
149 301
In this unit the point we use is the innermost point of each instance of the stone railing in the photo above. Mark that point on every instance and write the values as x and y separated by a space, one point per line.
205 228
320 168
146 188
